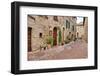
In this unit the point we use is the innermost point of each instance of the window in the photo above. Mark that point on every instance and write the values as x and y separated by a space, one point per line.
50 33
40 35
67 24
55 18
73 28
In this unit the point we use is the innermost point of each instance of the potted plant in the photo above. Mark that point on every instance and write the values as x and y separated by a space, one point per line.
67 40
49 41
60 38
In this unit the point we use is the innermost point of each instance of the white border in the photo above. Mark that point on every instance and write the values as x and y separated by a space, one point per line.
26 65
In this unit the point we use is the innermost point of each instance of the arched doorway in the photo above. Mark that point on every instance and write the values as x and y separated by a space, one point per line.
55 36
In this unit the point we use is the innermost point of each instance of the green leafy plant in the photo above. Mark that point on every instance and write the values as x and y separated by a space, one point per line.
60 38
49 40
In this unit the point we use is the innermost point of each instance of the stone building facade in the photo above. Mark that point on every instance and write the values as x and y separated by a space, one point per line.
82 29
85 23
40 27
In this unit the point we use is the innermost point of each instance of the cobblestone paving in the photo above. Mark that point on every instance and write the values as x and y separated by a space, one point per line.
73 50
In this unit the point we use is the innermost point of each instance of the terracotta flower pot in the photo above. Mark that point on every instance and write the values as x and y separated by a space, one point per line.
48 46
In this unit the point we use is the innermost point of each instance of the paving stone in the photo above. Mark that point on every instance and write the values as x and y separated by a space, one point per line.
73 50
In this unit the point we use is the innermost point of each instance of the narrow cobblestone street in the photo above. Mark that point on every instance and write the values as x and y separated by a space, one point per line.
74 50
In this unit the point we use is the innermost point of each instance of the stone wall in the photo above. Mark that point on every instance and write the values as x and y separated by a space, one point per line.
80 31
45 24
86 28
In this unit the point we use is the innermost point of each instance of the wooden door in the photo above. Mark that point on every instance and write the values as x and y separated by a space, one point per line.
55 36
29 39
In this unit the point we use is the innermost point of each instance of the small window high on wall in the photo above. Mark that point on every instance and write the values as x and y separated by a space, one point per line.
40 35
55 18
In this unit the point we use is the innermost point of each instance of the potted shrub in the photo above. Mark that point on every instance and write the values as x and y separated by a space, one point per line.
49 41
60 38
67 40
